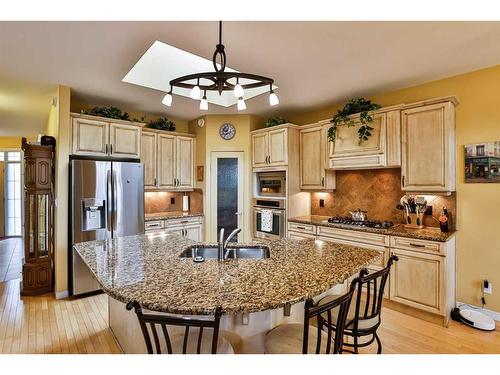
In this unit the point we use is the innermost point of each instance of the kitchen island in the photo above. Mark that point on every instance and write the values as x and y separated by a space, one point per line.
251 292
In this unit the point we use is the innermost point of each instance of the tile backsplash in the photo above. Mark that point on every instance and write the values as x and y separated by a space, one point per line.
160 201
377 191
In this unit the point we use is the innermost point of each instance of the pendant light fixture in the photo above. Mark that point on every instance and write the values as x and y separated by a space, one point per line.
220 81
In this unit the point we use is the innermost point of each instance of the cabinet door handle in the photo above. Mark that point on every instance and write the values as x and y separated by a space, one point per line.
303 228
416 245
106 149
403 181
323 181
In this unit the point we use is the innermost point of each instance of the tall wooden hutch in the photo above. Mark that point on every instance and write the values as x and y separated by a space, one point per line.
38 267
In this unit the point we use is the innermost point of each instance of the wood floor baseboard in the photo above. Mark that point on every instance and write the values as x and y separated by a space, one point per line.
424 315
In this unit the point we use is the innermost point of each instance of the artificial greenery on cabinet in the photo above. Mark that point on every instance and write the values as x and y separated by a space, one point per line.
275 121
162 123
108 112
355 106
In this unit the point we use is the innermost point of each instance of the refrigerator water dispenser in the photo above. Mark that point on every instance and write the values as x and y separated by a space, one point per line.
93 214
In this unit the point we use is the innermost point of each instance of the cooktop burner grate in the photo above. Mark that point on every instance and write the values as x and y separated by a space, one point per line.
367 223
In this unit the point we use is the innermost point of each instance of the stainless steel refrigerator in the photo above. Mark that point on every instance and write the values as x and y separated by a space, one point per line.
106 201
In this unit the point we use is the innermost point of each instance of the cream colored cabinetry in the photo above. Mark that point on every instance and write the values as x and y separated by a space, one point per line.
428 148
148 157
270 148
189 227
424 276
423 279
382 149
313 173
168 160
97 136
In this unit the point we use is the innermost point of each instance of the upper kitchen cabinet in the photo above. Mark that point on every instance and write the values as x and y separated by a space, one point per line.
428 146
271 146
169 160
103 137
313 159
381 150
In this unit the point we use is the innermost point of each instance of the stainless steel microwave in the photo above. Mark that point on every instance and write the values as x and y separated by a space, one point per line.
271 184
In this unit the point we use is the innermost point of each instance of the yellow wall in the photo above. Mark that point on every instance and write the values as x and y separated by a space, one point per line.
208 140
180 124
478 205
10 142
58 126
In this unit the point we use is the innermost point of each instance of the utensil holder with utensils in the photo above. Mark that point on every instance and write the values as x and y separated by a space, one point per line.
414 220
414 210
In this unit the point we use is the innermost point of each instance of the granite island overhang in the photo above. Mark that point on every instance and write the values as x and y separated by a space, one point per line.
148 269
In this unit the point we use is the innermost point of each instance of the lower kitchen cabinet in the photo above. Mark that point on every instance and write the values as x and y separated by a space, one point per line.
189 227
423 279
416 280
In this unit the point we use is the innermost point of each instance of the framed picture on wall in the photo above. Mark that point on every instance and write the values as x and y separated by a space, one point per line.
482 162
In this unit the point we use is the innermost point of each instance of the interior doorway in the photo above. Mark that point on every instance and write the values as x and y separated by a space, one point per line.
227 193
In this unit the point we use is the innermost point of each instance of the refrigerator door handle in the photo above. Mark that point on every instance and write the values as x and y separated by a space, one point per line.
109 199
115 202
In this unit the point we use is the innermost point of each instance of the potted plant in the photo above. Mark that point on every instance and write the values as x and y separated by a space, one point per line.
162 123
108 112
275 121
360 106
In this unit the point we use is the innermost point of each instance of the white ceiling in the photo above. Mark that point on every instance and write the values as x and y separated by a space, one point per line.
313 63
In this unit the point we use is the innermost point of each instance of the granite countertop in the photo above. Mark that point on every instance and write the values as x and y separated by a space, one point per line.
171 215
426 233
148 269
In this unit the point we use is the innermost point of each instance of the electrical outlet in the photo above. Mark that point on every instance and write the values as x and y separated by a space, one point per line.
487 287
172 200
322 203
428 211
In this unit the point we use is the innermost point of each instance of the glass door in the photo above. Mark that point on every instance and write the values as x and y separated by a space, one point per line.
12 192
227 193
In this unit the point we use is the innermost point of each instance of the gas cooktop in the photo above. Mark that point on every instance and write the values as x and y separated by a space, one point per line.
366 223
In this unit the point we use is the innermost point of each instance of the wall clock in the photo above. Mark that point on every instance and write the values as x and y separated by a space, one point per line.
227 131
201 122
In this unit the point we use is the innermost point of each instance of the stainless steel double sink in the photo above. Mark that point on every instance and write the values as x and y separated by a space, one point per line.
211 252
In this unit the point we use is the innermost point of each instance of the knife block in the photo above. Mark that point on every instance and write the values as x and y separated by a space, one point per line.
414 221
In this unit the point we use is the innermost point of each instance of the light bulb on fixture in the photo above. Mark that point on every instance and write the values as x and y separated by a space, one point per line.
196 91
241 104
238 89
167 100
204 102
273 98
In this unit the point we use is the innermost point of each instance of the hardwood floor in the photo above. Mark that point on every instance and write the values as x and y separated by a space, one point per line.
46 325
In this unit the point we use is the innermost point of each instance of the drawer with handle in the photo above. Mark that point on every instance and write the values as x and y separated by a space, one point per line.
302 228
153 225
424 246
183 221
352 235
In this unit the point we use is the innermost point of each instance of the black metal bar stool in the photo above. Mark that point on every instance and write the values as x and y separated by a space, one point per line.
363 318
298 338
153 326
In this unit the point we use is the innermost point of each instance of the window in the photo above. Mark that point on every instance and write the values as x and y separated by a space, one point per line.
13 203
480 150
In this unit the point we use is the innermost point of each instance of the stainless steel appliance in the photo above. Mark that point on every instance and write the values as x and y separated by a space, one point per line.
106 201
350 222
271 184
277 207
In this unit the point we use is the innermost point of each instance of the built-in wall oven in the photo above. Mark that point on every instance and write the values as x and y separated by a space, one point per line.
271 184
269 218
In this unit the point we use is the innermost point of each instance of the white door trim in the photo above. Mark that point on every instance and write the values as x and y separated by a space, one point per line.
211 206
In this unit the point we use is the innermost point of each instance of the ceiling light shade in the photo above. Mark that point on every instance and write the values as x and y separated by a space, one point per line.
241 104
167 99
204 103
221 80
273 99
238 90
195 92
